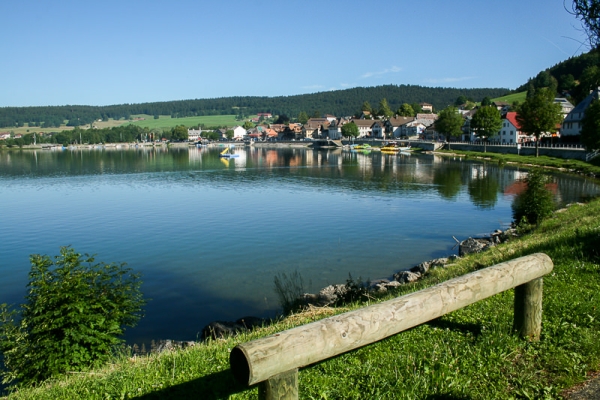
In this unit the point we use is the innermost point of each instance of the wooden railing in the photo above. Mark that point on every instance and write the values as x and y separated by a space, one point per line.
273 361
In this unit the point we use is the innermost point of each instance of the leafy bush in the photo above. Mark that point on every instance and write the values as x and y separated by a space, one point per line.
536 202
73 316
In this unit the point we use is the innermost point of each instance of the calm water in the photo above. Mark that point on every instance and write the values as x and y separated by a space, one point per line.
209 235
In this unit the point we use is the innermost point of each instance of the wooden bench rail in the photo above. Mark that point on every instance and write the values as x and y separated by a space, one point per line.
277 357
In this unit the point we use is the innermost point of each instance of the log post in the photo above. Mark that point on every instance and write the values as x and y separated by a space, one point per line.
268 357
528 309
280 387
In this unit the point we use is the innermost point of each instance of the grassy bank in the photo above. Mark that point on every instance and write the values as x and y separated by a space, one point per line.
471 353
569 165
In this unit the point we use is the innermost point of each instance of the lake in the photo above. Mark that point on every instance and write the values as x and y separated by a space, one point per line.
208 235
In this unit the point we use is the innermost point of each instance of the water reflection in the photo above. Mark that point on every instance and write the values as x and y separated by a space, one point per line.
209 234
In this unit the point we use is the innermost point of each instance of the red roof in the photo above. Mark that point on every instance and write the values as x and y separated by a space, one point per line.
512 118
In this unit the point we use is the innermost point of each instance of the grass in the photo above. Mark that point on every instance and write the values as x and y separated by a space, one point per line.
471 353
168 122
569 165
141 120
511 98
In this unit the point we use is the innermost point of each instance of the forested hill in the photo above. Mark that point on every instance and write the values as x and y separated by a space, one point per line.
339 102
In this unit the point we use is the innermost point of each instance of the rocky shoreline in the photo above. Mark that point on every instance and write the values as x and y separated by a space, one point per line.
331 294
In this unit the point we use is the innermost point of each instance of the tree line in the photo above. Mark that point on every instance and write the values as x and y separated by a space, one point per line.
338 102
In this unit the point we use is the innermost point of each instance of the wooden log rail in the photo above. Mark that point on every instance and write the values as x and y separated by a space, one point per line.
273 361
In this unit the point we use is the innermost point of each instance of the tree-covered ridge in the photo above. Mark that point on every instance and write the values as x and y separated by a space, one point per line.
338 102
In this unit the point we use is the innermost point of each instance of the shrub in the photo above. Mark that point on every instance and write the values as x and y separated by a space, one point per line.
73 316
536 202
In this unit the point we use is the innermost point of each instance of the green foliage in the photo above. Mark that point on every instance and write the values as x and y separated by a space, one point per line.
539 114
406 110
536 202
590 130
179 133
449 122
384 109
303 117
486 121
73 316
350 130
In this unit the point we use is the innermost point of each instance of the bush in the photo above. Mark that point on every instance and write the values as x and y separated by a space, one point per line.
73 316
536 202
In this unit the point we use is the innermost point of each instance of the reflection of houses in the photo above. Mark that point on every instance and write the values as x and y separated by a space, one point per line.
571 126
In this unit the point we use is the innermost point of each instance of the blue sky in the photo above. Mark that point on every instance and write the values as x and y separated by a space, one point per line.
58 52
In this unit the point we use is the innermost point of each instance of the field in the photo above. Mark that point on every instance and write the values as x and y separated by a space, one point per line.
511 98
164 121
141 120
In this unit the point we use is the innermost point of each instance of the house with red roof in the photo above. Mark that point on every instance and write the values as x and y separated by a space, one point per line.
510 133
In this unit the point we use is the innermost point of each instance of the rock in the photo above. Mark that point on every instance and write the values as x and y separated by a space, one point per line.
407 276
471 246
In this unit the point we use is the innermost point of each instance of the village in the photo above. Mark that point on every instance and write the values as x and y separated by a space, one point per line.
420 127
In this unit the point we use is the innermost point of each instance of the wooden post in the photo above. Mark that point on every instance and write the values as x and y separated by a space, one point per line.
528 309
280 387
268 357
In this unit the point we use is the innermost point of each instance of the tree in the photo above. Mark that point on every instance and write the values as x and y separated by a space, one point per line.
384 109
350 130
590 130
179 133
406 110
282 119
303 117
486 122
449 123
366 106
588 11
248 125
74 314
536 202
417 108
539 114
486 101
229 134
460 100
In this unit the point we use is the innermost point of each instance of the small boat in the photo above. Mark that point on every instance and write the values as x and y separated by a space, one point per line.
226 154
393 147
364 146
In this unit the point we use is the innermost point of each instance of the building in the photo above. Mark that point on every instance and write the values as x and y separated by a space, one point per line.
510 133
194 134
426 107
571 125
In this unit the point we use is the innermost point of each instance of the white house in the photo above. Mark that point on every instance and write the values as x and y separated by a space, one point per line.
194 134
364 127
238 133
510 133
